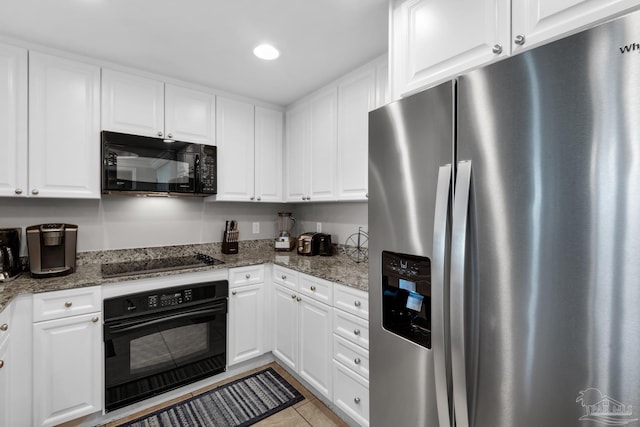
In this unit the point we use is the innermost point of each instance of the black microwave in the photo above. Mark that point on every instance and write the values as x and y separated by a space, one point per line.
140 165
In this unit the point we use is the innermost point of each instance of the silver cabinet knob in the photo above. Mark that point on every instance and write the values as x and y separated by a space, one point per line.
357 303
313 288
293 297
497 49
94 319
247 276
68 304
251 198
233 292
366 195
159 133
356 332
356 360
170 135
284 277
259 198
18 190
304 198
308 197
356 400
4 327
519 39
298 299
35 191
1 364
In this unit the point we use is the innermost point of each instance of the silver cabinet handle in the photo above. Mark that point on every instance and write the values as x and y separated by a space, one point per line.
457 292
293 296
356 360
247 276
94 319
357 303
4 327
313 288
284 277
18 190
298 299
1 364
35 191
356 332
304 198
519 39
233 292
170 135
356 400
251 198
68 304
259 198
497 49
159 133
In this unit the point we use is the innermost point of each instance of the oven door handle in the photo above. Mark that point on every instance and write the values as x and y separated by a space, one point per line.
121 327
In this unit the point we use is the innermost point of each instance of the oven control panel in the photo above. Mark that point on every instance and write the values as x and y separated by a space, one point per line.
170 299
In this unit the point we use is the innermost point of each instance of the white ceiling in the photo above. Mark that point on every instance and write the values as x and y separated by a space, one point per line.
210 42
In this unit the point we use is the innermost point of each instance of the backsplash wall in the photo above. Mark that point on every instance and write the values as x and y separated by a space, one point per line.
122 222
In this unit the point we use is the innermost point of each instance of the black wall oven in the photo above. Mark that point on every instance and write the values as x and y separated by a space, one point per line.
159 340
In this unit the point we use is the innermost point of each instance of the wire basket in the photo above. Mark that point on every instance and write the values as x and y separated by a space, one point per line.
356 246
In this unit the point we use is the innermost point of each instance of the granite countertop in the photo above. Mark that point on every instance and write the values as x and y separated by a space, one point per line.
338 268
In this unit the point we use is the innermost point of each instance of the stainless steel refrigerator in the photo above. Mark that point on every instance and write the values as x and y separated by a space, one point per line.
504 251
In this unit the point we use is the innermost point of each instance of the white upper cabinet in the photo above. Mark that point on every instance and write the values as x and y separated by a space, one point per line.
538 21
268 155
297 177
432 41
356 97
64 128
189 115
143 106
13 121
235 140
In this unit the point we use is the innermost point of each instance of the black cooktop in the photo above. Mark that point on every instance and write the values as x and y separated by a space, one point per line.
127 268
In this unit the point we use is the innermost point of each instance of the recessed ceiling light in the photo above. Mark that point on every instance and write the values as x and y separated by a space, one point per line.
266 51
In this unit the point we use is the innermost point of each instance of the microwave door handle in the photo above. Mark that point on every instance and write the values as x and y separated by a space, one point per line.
438 284
457 289
130 326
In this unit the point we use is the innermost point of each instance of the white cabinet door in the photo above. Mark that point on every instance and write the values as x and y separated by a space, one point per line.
67 369
356 97
322 145
235 140
285 325
539 21
246 323
189 115
132 104
297 176
383 96
13 121
316 342
432 41
268 155
64 128
5 388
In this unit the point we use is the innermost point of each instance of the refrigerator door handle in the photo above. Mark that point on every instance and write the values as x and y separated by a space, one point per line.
457 289
439 307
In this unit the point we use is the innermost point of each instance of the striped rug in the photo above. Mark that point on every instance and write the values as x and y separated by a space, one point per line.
240 403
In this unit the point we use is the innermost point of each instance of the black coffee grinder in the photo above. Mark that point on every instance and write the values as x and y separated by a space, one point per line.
9 253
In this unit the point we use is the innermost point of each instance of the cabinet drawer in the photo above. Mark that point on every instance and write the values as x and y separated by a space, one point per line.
351 393
242 276
316 288
351 328
71 302
352 356
351 300
285 277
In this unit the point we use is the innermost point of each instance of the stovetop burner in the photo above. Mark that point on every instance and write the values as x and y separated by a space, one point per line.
128 268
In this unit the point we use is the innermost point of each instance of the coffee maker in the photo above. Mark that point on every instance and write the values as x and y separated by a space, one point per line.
9 253
52 249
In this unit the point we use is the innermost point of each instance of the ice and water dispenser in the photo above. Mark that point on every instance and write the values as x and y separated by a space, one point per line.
406 296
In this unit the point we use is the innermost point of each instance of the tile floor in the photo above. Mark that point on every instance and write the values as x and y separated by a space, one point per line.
308 412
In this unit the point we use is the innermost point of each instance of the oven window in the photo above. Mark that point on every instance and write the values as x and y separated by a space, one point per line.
168 347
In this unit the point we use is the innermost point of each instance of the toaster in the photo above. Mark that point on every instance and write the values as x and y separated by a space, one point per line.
305 244
322 242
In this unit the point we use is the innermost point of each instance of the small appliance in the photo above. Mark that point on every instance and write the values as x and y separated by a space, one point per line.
9 253
52 249
140 165
322 242
305 246
284 241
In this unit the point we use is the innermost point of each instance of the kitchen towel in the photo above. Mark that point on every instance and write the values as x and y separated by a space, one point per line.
240 403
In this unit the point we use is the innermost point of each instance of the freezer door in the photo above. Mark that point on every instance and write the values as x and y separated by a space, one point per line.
552 263
408 142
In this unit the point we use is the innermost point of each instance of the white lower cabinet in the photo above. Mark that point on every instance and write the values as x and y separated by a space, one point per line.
67 362
5 365
285 326
351 393
315 344
246 313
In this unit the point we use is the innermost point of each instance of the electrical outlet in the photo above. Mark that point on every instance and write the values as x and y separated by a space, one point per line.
318 227
256 228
